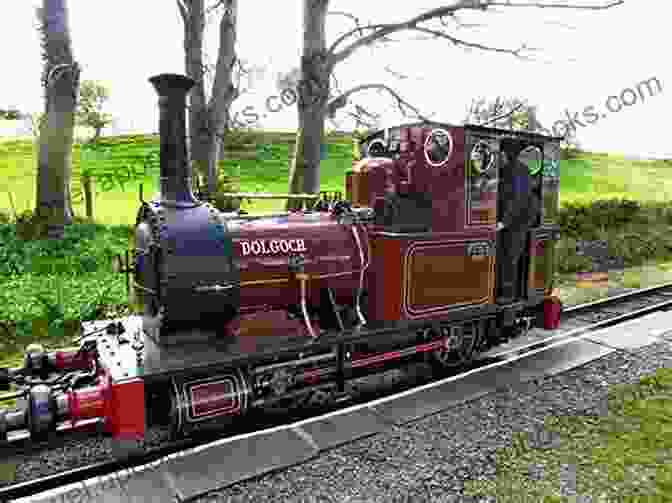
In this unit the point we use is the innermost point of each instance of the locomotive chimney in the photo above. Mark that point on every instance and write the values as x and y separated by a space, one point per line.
175 172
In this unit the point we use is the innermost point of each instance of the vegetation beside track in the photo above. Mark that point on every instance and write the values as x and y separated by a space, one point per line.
625 456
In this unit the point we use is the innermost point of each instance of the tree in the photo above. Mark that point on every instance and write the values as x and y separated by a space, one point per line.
319 61
516 113
10 114
512 113
60 80
36 122
210 119
92 98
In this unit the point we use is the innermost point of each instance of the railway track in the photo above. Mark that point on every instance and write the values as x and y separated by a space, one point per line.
576 322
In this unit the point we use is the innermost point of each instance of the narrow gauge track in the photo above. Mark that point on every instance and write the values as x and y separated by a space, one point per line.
576 321
618 304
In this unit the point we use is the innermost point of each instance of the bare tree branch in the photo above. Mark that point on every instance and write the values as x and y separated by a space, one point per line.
398 75
362 111
504 116
563 25
540 5
239 74
351 33
342 100
472 45
215 6
459 24
345 14
379 31
336 125
360 121
335 86
183 11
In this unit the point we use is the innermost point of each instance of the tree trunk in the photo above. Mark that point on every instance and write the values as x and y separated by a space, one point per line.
208 121
194 24
61 80
304 173
89 196
55 155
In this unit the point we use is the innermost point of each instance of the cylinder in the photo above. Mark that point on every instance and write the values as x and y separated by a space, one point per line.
175 181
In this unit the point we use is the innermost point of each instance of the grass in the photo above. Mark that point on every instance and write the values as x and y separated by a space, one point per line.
119 205
603 176
585 178
53 282
647 275
575 176
624 456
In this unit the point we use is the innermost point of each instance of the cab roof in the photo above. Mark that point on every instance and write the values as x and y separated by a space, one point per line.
505 133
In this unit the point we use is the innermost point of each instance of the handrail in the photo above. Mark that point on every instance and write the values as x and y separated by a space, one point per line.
267 195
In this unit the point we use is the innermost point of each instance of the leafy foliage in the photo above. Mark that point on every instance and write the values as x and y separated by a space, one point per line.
63 280
513 110
518 114
634 232
92 98
10 114
583 221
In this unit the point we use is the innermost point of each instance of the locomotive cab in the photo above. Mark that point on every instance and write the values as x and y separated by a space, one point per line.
470 214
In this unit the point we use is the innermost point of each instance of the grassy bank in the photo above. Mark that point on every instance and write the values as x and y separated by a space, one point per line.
261 169
587 177
624 456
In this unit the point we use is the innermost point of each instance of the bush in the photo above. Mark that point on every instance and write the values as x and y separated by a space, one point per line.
567 260
32 272
634 233
570 153
584 221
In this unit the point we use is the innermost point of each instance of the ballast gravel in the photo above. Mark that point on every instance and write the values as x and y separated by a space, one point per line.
430 459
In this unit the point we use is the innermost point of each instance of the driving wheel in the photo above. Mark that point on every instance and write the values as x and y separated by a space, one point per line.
460 345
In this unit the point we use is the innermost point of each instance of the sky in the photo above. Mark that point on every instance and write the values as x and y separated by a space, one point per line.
583 58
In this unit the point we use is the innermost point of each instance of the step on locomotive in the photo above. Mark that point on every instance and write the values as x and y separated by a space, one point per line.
443 245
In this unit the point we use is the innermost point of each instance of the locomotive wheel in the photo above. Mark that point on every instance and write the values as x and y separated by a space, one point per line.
460 347
317 398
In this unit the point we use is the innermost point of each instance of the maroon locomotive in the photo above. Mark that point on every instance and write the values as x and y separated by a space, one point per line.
442 246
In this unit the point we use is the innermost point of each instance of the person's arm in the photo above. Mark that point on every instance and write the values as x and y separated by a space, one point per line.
535 208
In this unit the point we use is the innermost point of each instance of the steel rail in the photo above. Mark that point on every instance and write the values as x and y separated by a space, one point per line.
107 469
616 299
590 327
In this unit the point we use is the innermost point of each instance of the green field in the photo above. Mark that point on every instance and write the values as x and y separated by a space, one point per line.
588 177
624 455
119 205
603 176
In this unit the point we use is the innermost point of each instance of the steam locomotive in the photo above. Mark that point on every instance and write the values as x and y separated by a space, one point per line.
241 312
